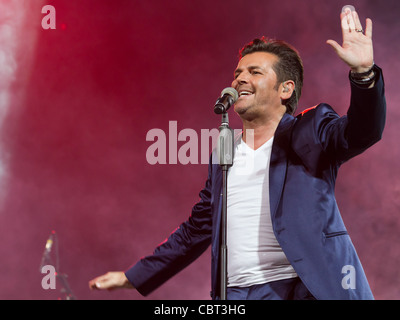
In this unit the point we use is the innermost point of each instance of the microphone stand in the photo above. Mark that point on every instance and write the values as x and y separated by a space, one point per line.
46 259
66 290
225 157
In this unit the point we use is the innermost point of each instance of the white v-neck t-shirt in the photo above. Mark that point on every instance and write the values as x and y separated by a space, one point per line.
254 254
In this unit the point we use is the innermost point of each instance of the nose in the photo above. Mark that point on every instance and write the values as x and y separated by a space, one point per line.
240 79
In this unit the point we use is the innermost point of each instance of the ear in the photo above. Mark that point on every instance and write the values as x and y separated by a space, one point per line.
286 89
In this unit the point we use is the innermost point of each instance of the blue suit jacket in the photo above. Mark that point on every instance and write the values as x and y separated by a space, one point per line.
306 154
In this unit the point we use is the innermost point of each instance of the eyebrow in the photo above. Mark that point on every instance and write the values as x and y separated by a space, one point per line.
252 67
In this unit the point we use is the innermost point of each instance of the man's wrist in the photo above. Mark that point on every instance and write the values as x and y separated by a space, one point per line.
362 73
365 79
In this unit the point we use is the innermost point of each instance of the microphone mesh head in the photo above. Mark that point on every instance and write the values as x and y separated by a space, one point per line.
232 92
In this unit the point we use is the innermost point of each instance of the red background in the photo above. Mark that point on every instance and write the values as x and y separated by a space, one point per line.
82 98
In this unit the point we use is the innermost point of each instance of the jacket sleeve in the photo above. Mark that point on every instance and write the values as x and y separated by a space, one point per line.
180 249
345 137
367 114
322 138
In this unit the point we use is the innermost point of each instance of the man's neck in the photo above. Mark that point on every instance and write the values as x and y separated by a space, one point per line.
256 132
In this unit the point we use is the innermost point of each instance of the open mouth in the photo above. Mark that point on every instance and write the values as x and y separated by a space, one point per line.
245 93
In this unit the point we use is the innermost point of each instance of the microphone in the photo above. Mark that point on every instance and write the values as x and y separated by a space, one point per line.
47 249
226 100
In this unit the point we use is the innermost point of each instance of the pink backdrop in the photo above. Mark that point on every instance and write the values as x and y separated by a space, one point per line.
78 101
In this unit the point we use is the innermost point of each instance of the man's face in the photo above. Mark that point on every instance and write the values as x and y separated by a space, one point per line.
256 82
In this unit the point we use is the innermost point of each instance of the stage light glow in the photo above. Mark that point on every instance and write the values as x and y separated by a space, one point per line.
16 45
348 7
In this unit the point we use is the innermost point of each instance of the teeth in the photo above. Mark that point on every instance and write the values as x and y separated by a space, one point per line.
245 93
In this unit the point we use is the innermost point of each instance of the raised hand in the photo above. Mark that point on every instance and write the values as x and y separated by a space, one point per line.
357 49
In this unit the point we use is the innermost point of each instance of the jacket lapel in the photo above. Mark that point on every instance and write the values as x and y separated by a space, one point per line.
279 158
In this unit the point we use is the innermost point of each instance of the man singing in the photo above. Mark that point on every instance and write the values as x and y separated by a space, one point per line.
286 237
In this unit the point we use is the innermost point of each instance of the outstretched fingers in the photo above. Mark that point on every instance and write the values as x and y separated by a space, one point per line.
368 28
356 49
350 22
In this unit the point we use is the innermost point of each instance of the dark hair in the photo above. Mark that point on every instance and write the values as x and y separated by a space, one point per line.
288 67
